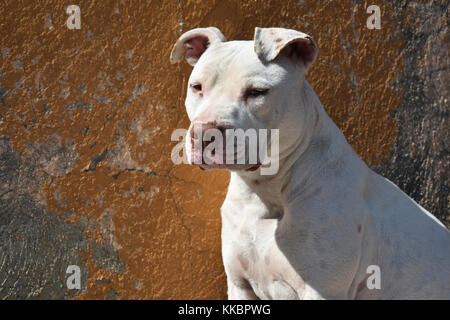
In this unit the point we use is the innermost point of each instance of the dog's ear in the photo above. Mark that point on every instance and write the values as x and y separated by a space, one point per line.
196 41
272 42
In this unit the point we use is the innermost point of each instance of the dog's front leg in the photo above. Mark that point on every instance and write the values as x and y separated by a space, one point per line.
240 292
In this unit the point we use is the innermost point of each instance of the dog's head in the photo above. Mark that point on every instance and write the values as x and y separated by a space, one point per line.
244 85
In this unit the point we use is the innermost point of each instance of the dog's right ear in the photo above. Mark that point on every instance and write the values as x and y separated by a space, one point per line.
196 41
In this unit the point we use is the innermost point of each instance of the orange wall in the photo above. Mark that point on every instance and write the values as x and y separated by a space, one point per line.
101 103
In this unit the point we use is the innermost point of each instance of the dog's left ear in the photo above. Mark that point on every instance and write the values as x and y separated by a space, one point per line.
272 42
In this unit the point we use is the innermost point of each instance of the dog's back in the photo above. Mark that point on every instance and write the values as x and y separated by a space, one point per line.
411 247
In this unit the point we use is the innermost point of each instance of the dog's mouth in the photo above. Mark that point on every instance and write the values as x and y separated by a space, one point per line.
218 160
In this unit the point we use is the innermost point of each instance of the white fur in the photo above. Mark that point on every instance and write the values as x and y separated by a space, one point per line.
311 230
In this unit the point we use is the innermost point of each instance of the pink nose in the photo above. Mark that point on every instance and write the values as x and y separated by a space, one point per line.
198 130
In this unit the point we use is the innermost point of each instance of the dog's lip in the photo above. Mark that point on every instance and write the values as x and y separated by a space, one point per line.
232 167
254 167
196 155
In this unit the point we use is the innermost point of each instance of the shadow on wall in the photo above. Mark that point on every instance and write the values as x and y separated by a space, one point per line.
87 114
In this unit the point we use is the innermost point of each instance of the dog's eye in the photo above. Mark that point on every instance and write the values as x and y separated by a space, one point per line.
196 87
253 93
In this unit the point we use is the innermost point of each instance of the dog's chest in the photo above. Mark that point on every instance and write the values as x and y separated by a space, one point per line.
252 256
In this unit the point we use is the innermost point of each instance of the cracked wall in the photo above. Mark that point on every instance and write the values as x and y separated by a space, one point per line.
86 117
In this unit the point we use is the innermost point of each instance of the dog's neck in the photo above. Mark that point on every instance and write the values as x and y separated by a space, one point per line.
323 141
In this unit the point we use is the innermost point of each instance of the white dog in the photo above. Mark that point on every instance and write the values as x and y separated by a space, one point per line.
324 226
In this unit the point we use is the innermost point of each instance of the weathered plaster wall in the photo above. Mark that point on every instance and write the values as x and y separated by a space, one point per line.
86 117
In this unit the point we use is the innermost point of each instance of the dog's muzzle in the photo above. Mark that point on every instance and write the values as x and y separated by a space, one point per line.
211 149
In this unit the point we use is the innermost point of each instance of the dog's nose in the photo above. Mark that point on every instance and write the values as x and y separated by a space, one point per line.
199 128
